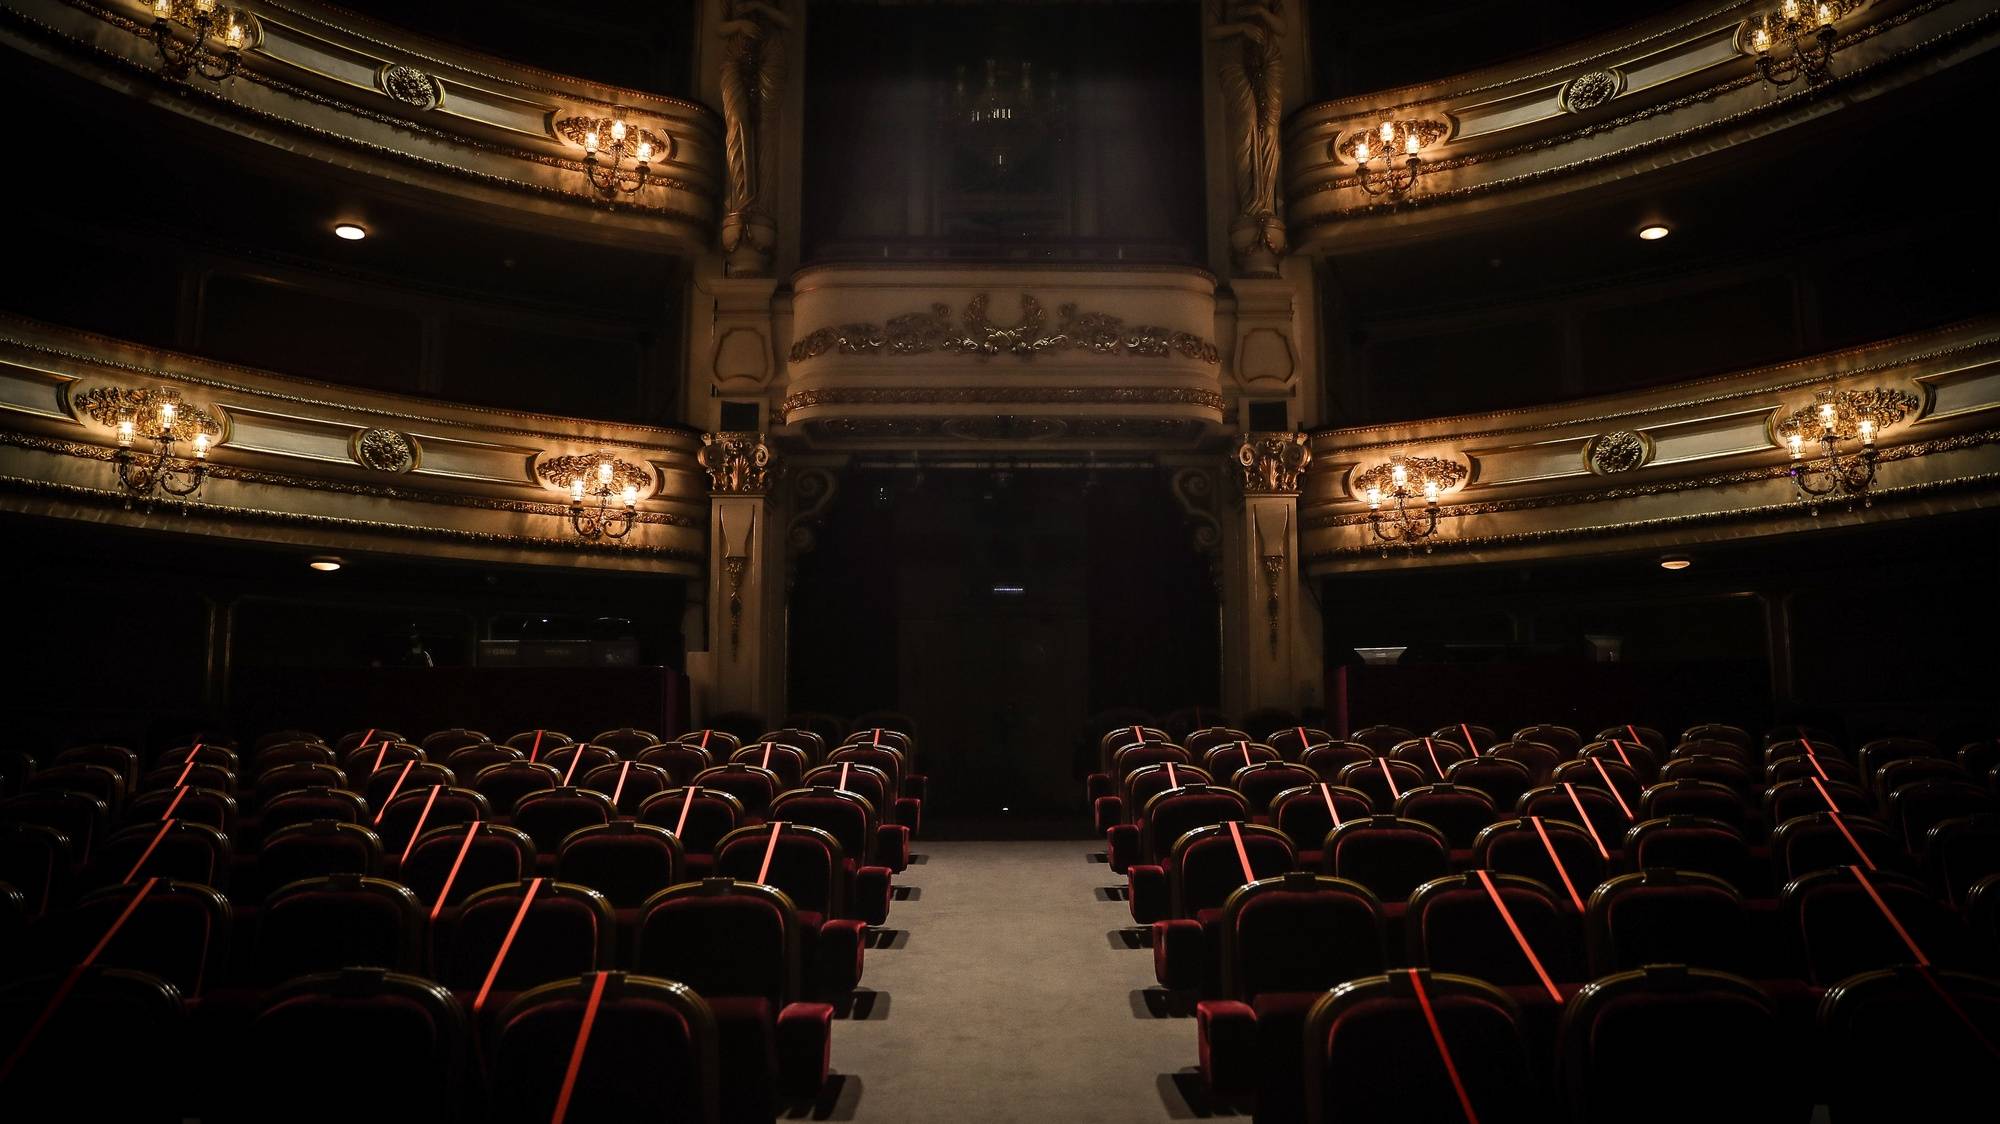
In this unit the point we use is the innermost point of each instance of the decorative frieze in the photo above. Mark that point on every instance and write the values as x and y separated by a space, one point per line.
975 333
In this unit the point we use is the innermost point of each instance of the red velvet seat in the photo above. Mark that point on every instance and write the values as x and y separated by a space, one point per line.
1667 917
1642 762
1366 1028
1225 760
1140 786
467 761
217 755
1382 780
1432 756
1327 759
1291 742
1453 926
117 1048
446 742
280 737
1881 751
1262 782
680 761
179 932
504 785
1122 736
626 862
1201 741
1713 748
398 780
566 931
1596 810
366 760
1842 932
865 781
117 758
1563 739
1648 736
1619 1029
399 821
1713 768
275 757
715 743
627 784
908 784
809 742
573 761
548 816
273 783
626 741
1478 739
1541 760
1807 795
1390 856
1811 748
308 805
1692 843
788 763
208 806
1691 796
1381 739
202 774
412 1031
1736 735
1516 846
1804 844
354 738
102 782
852 818
808 864
699 817
1307 813
537 744
316 849
1130 760
337 921
1959 852
1800 767
1460 813
651 1054
1897 1050
753 787
1206 865
1503 781
1598 772
177 849
1917 807
1165 818
482 854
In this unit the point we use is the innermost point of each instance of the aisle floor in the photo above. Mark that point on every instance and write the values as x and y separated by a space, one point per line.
1010 996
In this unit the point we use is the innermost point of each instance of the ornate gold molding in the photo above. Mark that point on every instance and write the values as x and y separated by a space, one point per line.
1448 474
921 333
561 472
1885 406
737 463
1271 463
110 405
385 450
1002 395
1619 451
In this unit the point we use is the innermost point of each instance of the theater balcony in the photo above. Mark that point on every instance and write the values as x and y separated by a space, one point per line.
1607 114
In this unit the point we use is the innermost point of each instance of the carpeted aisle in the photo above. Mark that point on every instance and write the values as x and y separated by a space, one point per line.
1011 999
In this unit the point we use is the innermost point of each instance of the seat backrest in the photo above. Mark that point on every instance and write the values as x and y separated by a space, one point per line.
538 743
1881 751
1262 782
1474 737
866 781
1894 1021
1522 846
1736 735
1962 850
1146 782
1432 756
1327 759
699 817
1383 780
1381 739
79 816
1667 917
1175 812
716 743
468 760
179 931
1461 813
327 923
1201 741
1712 747
1802 766
305 805
1690 796
1540 759
1635 757
1611 775
1691 843
643 1026
1298 931
1453 926
847 816
1979 758
567 930
366 760
1807 795
805 862
886 758
446 865
1617 1030
1207 864
106 1017
281 737
211 806
505 784
370 736
1306 813
722 937
1711 767
1819 841
1119 737
1390 856
627 783
1135 757
1810 747
415 810
753 786
182 850
450 741
117 758
626 741
291 753
273 783
1503 781
100 781
37 860
321 847
1915 808
626 862
413 1031
1563 739
1630 733
1842 931
575 760
411 776
1291 742
680 761
548 816
1365 1028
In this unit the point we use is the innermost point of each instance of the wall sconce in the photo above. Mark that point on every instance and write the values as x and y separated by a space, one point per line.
151 422
1807 30
1838 416
607 142
1398 483
599 477
1397 144
215 38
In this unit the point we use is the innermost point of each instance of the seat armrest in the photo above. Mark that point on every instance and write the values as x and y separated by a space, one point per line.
835 967
1121 845
1179 953
1227 1030
1097 786
805 1048
1147 885
870 900
1109 811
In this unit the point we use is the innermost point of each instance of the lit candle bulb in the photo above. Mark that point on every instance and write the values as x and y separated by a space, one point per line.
1430 491
166 415
204 6
631 496
1400 475
1410 144
604 472
645 152
201 446
1826 15
1374 497
618 132
576 491
1388 134
1796 442
590 142
232 36
1867 431
1760 41
125 432
1361 152
1826 420
162 9
1790 8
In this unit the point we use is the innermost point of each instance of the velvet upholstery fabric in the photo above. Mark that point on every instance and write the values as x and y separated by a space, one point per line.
563 935
709 817
641 1062
1381 1062
1390 859
325 924
1646 919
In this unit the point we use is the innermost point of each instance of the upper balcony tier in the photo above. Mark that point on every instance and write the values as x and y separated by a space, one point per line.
1605 114
457 126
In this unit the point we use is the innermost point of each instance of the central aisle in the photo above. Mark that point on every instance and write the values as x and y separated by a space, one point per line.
1012 1000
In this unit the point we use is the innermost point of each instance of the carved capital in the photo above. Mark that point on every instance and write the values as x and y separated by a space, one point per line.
737 463
1273 462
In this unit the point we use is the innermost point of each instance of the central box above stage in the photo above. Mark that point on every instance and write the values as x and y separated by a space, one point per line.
890 356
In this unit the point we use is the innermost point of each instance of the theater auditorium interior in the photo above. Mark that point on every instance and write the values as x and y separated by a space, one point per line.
1000 561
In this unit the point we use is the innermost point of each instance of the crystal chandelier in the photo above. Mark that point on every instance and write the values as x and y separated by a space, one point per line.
1806 33
1007 116
214 38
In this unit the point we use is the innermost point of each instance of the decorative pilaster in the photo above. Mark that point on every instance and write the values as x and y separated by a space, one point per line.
744 666
1267 658
1248 49
754 67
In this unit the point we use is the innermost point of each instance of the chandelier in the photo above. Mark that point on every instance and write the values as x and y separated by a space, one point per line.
598 477
1006 117
153 424
1397 145
1807 31
1817 436
607 143
215 38
1398 484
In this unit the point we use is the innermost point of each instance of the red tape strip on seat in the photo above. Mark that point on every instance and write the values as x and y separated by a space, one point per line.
764 762
576 755
165 826
444 892
1173 778
1432 750
1615 794
576 1054
69 982
421 817
770 849
189 767
1242 853
1842 824
1636 739
1812 757
1580 811
1326 794
1622 756
395 788
179 795
1394 792
1507 915
704 740
1444 1050
618 789
1890 916
844 767
1471 745
1549 846
687 801
381 755
506 945
535 750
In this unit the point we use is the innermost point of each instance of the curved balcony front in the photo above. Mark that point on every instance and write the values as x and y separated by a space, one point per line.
390 106
1003 357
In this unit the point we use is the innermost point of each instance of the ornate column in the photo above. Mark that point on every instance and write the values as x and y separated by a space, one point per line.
1267 657
744 666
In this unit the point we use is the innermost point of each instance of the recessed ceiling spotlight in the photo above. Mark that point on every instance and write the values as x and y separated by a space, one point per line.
351 231
325 563
1654 231
1675 562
